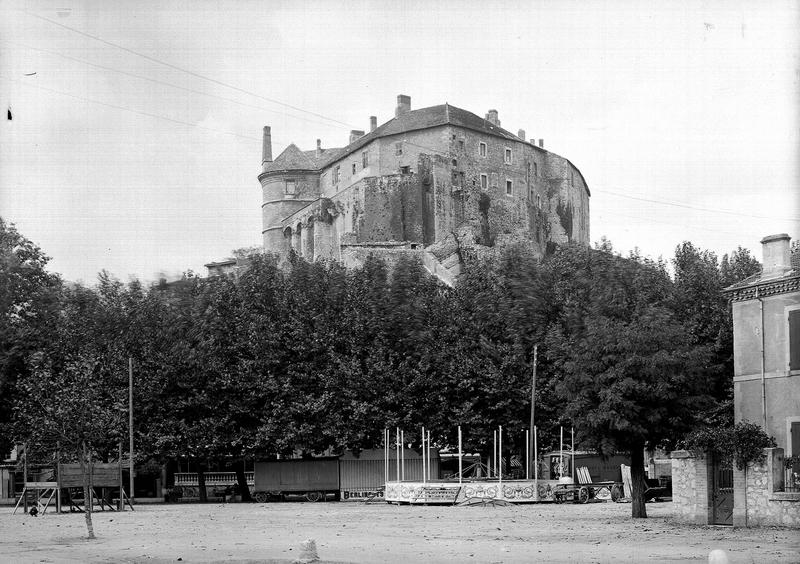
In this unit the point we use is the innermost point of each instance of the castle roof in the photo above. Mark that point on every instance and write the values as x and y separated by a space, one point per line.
425 118
293 158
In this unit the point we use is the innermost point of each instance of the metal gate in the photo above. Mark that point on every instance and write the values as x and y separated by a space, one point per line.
721 492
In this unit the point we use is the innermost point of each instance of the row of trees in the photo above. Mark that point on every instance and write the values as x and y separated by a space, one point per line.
315 357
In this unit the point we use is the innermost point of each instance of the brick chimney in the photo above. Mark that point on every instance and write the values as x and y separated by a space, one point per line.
266 148
492 118
355 134
776 257
521 134
541 143
403 105
319 148
373 123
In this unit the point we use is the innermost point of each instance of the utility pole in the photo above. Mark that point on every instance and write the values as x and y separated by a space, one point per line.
533 403
130 426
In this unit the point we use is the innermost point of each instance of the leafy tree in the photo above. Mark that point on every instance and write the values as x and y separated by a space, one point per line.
630 373
72 398
29 300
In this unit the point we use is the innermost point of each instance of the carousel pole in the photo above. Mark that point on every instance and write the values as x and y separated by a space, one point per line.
561 455
533 396
397 452
25 477
429 455
500 457
423 454
494 454
460 455
572 430
402 455
527 454
385 456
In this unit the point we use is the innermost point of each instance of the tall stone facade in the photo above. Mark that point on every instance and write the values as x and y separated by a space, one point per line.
428 182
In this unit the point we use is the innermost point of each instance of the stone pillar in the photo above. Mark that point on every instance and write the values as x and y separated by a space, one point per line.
739 497
690 479
308 241
324 240
296 237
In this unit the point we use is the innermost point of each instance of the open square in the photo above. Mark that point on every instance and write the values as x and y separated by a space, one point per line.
378 532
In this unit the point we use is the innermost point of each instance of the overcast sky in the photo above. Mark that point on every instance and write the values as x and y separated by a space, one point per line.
135 141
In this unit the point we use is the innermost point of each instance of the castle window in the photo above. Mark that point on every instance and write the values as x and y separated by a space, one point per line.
572 178
484 182
454 178
509 187
507 158
365 159
405 170
336 175
538 201
290 187
536 169
460 144
354 169
398 148
482 149
455 162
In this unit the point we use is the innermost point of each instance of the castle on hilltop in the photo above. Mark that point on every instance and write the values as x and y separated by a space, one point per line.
432 182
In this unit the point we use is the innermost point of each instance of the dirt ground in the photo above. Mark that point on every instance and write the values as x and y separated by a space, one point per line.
378 532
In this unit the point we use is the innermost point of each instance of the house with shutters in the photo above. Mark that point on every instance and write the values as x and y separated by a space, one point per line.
766 381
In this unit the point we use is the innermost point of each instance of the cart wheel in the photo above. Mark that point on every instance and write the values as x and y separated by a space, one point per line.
261 497
583 494
315 496
616 492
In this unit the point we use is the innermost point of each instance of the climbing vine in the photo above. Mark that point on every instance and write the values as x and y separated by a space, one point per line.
743 443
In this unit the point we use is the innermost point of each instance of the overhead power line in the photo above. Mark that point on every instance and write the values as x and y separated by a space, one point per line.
162 82
187 71
671 224
688 206
123 108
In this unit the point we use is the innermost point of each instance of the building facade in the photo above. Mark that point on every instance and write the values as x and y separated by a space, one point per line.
766 337
766 384
432 182
766 380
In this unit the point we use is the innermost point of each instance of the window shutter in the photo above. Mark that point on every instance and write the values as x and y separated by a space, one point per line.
794 339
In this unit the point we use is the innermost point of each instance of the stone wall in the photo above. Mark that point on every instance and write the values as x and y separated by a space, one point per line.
690 480
758 501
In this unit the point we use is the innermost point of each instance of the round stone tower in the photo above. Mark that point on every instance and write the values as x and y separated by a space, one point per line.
288 184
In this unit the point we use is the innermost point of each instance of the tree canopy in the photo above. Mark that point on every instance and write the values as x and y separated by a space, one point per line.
293 356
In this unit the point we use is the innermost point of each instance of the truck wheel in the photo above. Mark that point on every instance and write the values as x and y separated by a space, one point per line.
261 497
583 494
315 496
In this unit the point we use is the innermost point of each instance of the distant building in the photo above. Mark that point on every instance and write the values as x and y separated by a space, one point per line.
432 182
222 267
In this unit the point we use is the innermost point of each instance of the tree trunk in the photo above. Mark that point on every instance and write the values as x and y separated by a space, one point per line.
244 490
201 482
638 484
86 470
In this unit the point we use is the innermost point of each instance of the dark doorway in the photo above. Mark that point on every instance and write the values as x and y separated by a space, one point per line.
721 492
